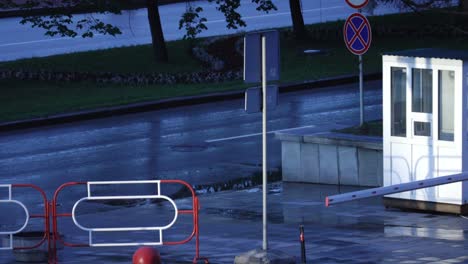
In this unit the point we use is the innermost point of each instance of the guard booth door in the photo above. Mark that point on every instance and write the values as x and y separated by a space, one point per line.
421 124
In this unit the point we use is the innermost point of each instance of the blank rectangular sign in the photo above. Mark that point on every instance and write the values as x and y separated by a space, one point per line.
253 99
253 56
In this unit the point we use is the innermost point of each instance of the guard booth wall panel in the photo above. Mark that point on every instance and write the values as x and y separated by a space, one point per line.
400 170
447 164
423 167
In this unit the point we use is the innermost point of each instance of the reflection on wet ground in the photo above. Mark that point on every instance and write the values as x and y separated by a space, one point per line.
231 223
276 218
357 232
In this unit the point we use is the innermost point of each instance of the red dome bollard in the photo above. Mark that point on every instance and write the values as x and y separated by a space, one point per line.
146 255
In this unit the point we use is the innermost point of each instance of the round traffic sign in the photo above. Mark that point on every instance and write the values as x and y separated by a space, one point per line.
357 3
357 34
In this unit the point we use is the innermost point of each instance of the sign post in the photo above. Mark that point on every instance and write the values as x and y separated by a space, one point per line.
261 64
361 92
358 37
264 142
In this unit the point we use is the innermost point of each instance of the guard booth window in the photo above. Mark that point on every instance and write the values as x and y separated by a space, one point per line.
446 105
398 101
422 129
422 91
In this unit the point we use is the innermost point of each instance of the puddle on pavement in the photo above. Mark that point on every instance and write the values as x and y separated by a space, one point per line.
407 231
188 148
337 243
368 227
434 233
240 214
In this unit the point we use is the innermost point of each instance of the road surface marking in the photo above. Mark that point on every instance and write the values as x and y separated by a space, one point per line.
277 14
39 41
29 42
255 134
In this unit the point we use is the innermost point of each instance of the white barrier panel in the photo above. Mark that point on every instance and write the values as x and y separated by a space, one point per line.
11 233
159 229
397 188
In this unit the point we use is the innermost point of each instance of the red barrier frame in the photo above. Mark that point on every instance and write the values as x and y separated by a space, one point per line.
53 258
194 212
195 232
45 216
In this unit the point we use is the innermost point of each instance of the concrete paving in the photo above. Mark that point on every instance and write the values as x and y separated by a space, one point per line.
231 223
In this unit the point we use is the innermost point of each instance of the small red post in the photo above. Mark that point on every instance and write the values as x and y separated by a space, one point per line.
302 240
146 255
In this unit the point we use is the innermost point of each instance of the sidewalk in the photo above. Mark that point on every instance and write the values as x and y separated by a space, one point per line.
357 232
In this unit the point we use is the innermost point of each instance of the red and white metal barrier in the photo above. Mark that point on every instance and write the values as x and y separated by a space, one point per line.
157 195
26 220
51 207
45 216
397 188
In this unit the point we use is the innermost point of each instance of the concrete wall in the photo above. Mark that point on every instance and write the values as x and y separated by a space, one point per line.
332 158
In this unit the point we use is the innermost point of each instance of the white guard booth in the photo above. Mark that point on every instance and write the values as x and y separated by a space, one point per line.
425 123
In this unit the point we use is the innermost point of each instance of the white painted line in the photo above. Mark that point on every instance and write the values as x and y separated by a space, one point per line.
318 9
277 14
30 42
255 134
39 41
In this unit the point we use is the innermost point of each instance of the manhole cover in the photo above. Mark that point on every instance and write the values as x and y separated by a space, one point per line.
188 148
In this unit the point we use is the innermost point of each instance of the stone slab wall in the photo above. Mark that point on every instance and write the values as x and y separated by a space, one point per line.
332 158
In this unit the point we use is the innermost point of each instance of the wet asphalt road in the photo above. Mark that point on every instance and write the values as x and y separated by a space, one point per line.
22 41
200 144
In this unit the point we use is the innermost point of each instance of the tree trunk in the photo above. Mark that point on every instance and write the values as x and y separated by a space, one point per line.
463 5
297 19
157 36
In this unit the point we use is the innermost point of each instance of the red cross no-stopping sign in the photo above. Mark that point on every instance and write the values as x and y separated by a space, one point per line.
357 34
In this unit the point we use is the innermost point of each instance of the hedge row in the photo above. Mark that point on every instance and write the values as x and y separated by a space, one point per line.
119 78
220 53
217 73
428 30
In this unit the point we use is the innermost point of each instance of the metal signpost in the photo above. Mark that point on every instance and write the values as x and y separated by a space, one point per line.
358 37
264 143
261 63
